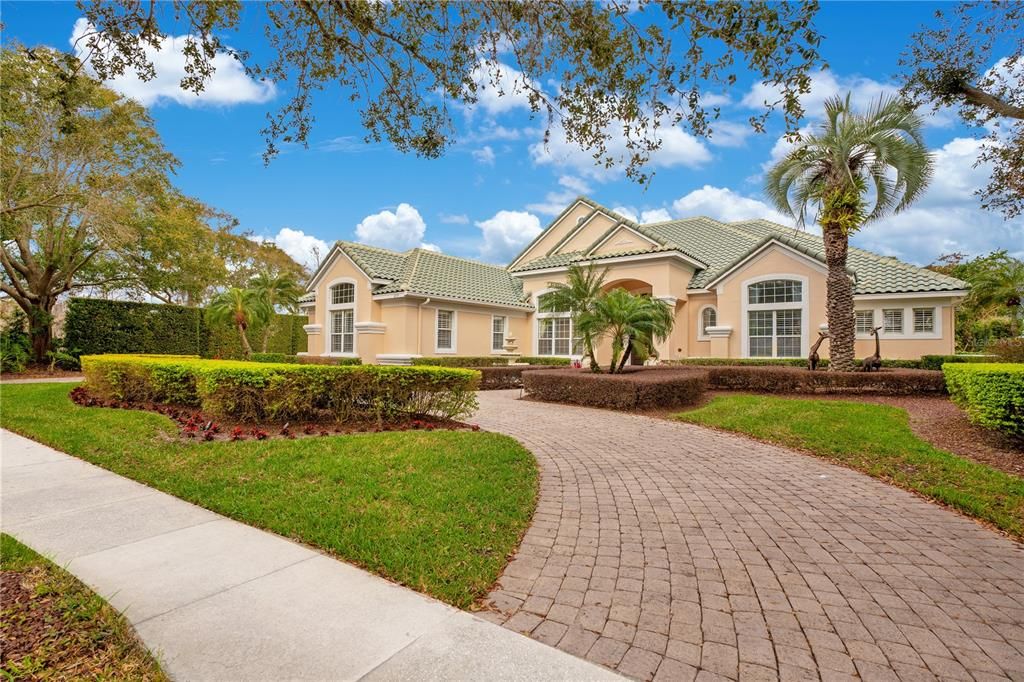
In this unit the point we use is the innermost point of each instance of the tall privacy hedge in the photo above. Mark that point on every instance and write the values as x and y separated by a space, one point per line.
96 326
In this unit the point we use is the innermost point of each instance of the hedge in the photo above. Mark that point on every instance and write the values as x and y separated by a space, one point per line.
1007 350
631 390
254 392
783 362
477 361
801 380
937 361
303 359
992 394
509 376
95 326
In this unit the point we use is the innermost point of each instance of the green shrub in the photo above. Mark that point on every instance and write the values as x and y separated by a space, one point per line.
254 391
15 346
274 357
462 361
780 362
772 379
631 390
1007 350
992 394
287 338
95 326
542 360
937 361
327 360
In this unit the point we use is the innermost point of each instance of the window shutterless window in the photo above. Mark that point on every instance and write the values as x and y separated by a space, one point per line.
924 320
498 333
892 321
865 320
776 291
708 318
343 293
445 329
343 338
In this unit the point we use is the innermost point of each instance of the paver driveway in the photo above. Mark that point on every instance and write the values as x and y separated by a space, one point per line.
668 550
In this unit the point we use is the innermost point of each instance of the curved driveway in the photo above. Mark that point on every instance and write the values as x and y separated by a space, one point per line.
668 550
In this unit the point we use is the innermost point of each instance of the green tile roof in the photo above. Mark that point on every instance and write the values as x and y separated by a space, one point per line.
721 245
376 262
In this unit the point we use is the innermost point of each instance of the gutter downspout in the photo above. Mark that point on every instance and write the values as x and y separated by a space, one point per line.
419 327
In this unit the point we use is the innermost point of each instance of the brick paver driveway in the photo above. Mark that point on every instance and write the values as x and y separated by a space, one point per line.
671 551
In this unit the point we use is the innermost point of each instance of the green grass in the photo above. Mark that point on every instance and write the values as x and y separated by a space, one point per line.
63 630
438 511
877 440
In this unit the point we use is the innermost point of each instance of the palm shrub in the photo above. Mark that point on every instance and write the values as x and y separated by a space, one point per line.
278 290
1000 289
633 322
578 294
240 308
853 169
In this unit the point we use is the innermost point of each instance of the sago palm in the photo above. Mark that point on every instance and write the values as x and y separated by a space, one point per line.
581 289
854 168
239 308
278 290
631 321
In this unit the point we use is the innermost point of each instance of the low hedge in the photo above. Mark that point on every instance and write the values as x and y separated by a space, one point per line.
781 362
992 394
302 359
509 376
253 391
1007 350
800 380
632 390
478 361
937 361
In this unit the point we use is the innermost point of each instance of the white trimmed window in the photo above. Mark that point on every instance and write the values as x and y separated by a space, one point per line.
892 321
498 324
924 320
775 318
445 330
343 293
708 318
341 317
343 336
554 332
865 320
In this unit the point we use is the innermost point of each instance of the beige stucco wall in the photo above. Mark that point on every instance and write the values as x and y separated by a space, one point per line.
623 240
366 309
588 233
557 231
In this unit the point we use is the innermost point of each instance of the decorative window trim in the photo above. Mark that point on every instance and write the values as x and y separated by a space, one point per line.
455 326
913 319
907 306
504 333
858 332
331 308
538 316
701 335
902 318
803 305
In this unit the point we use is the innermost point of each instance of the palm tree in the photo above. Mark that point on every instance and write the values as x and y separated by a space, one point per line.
854 168
241 308
633 323
1000 288
279 290
578 294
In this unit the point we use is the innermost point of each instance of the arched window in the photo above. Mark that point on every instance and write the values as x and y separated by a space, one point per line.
708 318
554 330
342 317
776 314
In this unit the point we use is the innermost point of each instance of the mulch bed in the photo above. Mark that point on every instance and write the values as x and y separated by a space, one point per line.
195 426
940 422
41 372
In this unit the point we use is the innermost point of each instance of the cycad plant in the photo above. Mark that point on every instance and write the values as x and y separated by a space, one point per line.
854 168
240 308
582 288
633 322
279 291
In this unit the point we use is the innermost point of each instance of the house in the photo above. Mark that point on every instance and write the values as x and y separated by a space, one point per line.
744 289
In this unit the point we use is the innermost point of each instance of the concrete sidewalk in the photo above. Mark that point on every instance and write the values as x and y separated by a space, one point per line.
219 600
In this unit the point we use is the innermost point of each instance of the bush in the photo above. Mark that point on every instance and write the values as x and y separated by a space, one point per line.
287 338
253 391
779 362
274 357
95 326
320 360
1007 350
800 380
15 345
478 361
992 394
937 361
631 390
541 360
510 376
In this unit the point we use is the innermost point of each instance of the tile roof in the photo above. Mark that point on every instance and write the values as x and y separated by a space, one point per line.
721 245
376 262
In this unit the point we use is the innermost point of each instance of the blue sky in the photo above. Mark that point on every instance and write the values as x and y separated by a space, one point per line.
495 189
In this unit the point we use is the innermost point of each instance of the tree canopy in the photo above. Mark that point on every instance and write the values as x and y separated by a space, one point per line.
595 70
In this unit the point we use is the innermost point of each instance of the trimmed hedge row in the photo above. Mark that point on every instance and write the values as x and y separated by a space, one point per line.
926 362
302 359
254 392
800 380
937 361
94 326
478 361
992 394
497 378
1007 350
631 390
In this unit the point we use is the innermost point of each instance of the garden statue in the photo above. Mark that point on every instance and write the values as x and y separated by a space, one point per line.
813 359
873 362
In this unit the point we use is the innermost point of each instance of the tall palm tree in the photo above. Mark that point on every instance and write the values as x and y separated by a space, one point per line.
579 292
854 168
1000 288
240 308
633 323
279 290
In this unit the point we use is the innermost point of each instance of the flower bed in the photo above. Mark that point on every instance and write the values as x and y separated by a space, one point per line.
992 394
797 380
277 392
632 390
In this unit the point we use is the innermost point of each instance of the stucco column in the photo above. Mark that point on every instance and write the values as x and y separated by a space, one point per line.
719 340
664 348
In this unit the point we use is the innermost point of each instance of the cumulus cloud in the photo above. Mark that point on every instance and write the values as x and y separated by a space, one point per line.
506 233
652 215
304 248
228 85
574 184
729 134
499 89
484 155
427 246
722 203
454 218
400 229
557 201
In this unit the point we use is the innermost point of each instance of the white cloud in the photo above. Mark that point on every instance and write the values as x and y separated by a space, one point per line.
303 248
484 155
427 246
228 85
653 215
454 218
729 134
571 182
500 88
399 230
553 203
506 233
722 203
678 148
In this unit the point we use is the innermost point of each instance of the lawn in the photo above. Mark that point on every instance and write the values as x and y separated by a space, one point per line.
438 511
54 627
877 440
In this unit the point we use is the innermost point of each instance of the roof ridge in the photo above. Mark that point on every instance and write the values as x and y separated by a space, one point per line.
361 245
474 261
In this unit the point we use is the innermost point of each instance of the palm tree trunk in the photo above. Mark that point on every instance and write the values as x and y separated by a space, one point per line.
625 355
266 338
588 346
839 299
246 348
